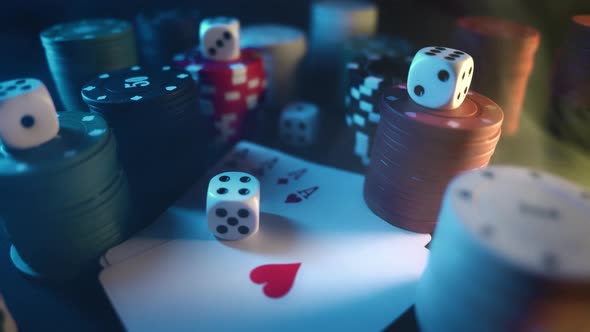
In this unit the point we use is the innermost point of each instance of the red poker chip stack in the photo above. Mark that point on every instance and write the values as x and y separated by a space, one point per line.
504 53
417 151
570 114
230 92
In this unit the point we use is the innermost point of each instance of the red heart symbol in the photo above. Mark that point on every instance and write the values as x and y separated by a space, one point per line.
293 198
278 278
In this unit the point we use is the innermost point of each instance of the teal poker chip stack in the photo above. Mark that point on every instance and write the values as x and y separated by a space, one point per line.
155 117
65 202
78 51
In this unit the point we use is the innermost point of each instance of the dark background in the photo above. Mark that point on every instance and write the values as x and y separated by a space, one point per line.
82 306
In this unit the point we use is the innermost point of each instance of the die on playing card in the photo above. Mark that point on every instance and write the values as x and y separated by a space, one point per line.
439 77
220 38
233 205
299 124
27 114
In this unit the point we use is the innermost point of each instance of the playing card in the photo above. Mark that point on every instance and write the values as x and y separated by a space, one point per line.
324 262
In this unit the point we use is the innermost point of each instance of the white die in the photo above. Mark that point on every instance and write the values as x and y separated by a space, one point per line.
439 77
27 114
299 124
220 38
233 205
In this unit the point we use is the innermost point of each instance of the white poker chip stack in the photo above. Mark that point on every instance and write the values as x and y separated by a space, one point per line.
510 253
284 48
335 22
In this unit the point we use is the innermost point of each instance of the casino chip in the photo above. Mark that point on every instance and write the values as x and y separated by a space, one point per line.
80 198
416 151
163 33
154 114
569 116
230 92
377 63
511 249
504 52
78 51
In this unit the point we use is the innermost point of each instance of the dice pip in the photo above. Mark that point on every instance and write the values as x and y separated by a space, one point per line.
299 124
220 38
27 114
233 205
439 77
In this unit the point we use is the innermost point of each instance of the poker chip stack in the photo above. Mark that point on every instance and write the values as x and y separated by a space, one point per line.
154 114
417 151
504 52
78 51
65 202
379 62
570 114
163 33
283 48
510 253
230 92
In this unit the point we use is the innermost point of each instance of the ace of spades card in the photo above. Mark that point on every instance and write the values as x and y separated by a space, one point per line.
321 259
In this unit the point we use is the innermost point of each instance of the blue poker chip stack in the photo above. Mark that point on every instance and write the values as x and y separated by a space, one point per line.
65 202
154 114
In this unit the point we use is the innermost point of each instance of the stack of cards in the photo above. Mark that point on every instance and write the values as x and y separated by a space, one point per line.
321 259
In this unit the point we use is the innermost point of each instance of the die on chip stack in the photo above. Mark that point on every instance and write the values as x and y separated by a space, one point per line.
64 200
510 253
569 116
504 52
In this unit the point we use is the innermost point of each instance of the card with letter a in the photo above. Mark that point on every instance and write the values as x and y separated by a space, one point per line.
321 260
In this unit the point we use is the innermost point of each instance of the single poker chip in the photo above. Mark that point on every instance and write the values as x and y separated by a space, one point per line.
85 31
511 247
137 85
250 59
477 115
540 221
162 33
78 51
